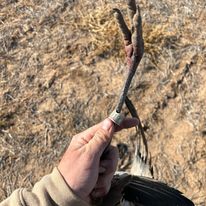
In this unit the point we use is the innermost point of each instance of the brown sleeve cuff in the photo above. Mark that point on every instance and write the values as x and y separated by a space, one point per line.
66 193
54 188
51 190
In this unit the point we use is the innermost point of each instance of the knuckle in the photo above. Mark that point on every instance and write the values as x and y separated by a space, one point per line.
115 151
105 190
101 135
113 168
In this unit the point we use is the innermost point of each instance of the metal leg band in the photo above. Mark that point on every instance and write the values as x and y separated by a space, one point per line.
116 117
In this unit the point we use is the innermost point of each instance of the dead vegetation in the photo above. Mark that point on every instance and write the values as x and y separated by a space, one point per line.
60 61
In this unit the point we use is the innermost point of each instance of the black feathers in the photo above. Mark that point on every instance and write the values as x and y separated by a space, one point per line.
128 190
148 192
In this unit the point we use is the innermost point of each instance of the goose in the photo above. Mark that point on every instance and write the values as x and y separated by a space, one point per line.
137 187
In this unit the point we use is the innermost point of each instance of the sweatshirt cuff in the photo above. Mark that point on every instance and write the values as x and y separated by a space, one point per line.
64 194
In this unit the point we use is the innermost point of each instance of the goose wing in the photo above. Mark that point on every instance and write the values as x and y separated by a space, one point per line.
128 190
149 192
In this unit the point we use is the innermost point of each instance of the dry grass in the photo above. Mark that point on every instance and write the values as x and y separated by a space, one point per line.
56 63
100 27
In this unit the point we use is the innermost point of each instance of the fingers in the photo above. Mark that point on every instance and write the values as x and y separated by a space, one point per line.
101 170
131 9
109 160
123 27
100 192
101 138
127 123
109 163
89 133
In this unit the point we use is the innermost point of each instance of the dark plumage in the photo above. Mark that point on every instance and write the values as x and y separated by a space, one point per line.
147 192
138 188
130 190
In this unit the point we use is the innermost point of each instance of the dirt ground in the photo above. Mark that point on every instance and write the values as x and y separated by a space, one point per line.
61 70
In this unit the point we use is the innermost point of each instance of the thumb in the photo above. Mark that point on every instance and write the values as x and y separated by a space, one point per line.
102 137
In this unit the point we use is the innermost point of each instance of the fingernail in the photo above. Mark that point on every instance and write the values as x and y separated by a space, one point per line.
96 194
101 170
107 124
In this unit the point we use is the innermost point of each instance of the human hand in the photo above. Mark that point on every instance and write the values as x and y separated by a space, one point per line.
89 163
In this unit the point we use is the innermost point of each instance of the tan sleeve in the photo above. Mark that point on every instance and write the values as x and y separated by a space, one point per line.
51 190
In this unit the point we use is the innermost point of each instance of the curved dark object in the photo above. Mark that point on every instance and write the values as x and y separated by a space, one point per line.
133 38
135 191
137 188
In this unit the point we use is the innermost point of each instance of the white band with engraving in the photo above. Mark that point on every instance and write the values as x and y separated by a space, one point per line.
116 117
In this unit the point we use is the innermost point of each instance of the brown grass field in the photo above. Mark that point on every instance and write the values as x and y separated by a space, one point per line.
62 66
